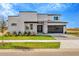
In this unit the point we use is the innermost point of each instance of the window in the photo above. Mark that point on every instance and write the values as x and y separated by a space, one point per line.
31 26
56 18
13 24
26 27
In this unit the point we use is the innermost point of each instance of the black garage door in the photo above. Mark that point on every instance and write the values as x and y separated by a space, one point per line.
55 29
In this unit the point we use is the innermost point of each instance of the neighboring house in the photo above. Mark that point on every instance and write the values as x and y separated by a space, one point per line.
37 23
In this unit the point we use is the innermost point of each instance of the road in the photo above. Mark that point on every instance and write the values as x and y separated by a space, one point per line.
39 52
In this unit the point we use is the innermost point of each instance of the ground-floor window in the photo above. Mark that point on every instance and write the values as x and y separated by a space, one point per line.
31 26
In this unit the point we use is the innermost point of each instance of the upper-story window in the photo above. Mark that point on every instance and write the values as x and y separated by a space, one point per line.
56 18
13 24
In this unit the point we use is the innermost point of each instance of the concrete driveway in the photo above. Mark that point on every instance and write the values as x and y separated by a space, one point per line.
64 37
67 41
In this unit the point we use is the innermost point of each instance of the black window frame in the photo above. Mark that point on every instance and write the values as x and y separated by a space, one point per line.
13 24
56 18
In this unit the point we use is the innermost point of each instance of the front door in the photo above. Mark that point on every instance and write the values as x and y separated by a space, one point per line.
39 28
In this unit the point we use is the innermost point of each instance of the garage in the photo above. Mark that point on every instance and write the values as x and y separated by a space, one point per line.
55 29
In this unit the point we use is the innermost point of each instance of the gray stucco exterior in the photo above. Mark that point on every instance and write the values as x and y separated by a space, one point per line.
37 23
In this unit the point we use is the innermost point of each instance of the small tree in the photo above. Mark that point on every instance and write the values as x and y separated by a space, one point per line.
2 29
3 26
29 33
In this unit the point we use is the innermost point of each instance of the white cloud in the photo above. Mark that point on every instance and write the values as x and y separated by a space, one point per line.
53 7
6 9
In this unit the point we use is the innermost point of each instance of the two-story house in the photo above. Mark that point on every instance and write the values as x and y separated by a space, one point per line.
36 22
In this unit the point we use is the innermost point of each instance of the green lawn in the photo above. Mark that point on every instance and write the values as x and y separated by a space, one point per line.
37 37
29 45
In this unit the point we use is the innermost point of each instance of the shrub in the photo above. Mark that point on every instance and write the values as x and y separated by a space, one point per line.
29 33
25 33
15 33
19 33
8 34
33 33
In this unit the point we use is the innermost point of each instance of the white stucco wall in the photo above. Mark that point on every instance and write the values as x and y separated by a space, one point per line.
10 21
49 18
31 30
19 20
28 16
41 17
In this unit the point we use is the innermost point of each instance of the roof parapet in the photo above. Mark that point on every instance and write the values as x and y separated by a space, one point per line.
50 14
37 13
28 11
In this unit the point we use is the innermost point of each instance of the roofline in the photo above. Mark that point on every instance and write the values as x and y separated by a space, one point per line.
14 16
33 21
54 14
57 22
49 14
37 13
28 11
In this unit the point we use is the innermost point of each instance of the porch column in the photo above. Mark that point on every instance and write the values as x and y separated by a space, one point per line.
45 28
64 29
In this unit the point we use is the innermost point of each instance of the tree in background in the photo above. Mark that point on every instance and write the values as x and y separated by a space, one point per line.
3 24
2 29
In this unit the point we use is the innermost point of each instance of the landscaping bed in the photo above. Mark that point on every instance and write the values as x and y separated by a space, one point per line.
36 37
29 45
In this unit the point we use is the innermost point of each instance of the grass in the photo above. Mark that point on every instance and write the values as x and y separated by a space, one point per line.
73 31
30 45
37 37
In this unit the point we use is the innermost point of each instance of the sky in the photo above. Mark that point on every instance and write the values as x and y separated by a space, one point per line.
69 11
